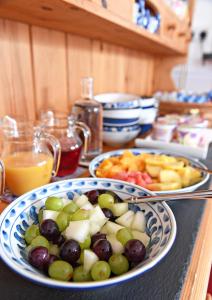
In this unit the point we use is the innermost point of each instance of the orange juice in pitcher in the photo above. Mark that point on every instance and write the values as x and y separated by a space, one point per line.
28 163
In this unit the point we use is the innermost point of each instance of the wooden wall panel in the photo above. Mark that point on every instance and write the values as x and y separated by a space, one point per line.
41 68
108 67
79 64
139 73
16 84
50 69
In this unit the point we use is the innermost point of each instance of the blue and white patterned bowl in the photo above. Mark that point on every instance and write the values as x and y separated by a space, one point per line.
118 100
120 135
193 162
21 213
121 117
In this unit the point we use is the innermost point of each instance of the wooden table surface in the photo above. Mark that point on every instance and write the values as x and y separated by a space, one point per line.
196 282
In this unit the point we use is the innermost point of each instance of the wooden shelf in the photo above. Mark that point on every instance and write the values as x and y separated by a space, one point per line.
88 19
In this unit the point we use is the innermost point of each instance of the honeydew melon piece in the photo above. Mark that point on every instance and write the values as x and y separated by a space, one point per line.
117 247
78 230
97 216
119 209
139 222
141 236
81 200
94 228
87 206
111 227
89 260
65 201
126 219
50 214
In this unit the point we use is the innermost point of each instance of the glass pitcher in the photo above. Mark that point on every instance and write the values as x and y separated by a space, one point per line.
65 128
27 161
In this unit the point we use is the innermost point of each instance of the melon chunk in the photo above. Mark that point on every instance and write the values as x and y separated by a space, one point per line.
119 209
126 219
97 216
50 214
87 206
77 230
117 247
89 260
139 222
141 236
111 228
81 200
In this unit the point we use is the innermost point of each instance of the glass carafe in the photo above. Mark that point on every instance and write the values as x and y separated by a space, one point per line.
27 161
65 128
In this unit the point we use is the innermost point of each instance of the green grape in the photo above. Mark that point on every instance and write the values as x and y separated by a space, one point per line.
100 270
54 203
40 241
80 214
62 220
124 235
31 233
70 208
86 244
40 215
118 264
81 259
60 270
105 200
80 275
54 249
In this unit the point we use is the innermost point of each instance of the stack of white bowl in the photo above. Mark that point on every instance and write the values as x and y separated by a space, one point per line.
121 115
149 110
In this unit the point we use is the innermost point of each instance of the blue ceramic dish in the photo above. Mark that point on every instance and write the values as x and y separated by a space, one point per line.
21 213
118 100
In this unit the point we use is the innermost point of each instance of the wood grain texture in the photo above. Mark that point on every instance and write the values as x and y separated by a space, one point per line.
196 282
50 69
90 20
16 84
79 54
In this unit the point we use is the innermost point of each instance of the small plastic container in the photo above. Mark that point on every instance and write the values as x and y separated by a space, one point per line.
163 132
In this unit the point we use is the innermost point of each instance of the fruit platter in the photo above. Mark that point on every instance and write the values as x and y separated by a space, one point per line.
81 233
154 170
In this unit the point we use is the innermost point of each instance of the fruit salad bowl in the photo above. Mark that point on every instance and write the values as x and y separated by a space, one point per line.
160 226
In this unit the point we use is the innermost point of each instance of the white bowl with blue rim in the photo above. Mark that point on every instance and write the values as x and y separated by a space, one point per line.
23 212
119 135
121 117
193 162
149 110
118 100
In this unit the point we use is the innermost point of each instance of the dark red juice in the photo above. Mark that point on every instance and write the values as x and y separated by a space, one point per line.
69 161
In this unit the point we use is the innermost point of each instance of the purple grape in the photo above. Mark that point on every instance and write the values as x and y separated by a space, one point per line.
97 236
108 214
52 258
59 241
38 257
49 229
70 251
93 196
134 251
103 249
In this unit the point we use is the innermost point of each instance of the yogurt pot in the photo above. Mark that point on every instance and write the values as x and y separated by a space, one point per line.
191 136
163 132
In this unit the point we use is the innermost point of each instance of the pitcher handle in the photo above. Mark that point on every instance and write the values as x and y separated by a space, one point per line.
2 178
55 144
86 133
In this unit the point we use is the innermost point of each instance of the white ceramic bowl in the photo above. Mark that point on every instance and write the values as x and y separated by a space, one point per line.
149 109
118 100
21 213
114 136
194 162
121 117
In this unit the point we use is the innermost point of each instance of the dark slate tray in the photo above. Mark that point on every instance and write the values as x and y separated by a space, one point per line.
163 282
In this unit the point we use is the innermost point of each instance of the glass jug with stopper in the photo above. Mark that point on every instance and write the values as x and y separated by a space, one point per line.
65 128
